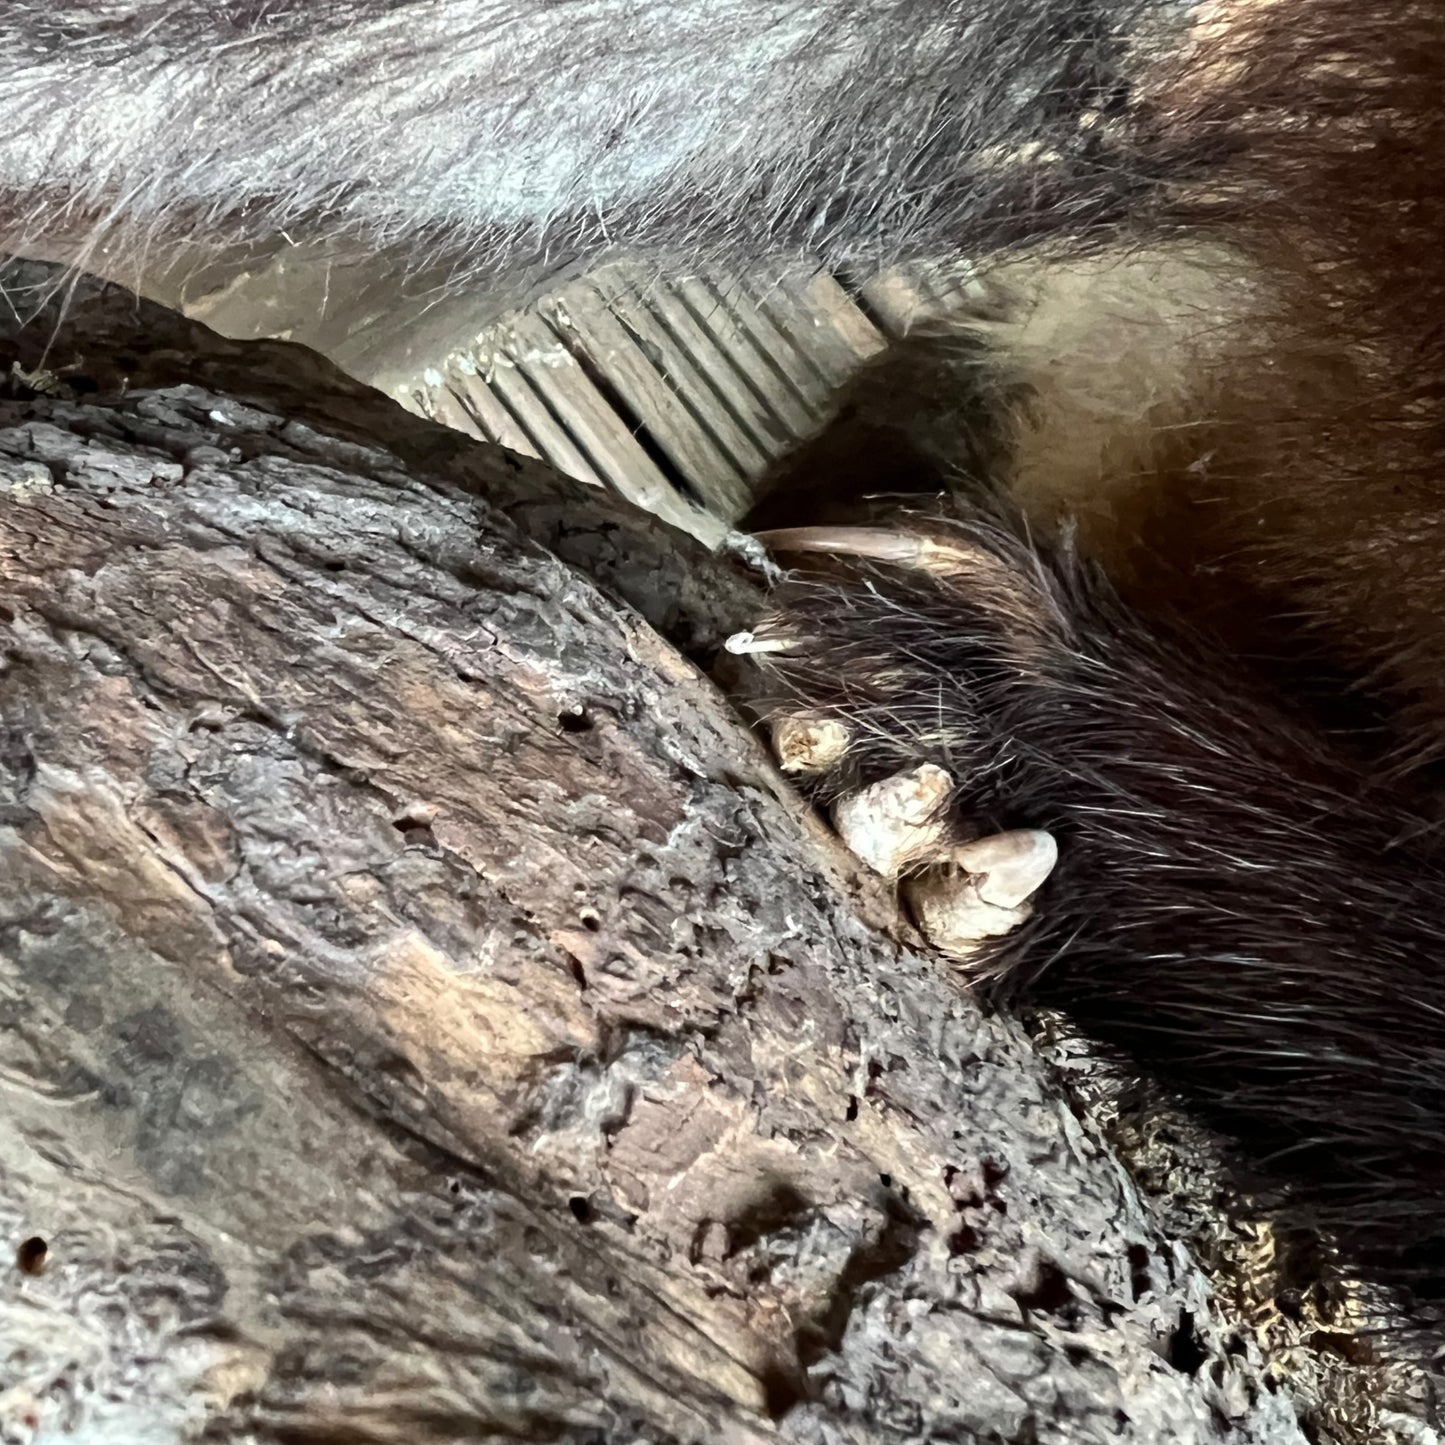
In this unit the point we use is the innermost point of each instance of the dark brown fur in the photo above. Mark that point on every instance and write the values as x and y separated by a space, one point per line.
1249 907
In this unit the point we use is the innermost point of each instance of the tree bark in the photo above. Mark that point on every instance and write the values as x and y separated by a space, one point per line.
430 1018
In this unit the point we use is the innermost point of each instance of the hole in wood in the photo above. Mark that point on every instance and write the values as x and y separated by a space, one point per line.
1045 1290
30 1257
415 827
964 1240
1185 1350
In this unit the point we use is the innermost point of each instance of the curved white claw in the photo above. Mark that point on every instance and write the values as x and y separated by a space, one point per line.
966 892
1009 868
984 891
747 644
877 544
809 745
899 821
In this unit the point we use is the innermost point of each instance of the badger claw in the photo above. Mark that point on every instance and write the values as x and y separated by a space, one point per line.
809 745
745 644
963 894
982 891
878 544
1009 868
953 918
898 822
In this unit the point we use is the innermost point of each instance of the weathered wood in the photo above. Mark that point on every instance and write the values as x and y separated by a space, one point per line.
661 330
595 335
612 378
430 1019
106 337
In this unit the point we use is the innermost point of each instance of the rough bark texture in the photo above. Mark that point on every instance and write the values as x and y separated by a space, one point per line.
429 1019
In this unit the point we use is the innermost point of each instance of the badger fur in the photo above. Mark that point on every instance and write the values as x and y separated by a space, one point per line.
1211 372
1235 406
484 132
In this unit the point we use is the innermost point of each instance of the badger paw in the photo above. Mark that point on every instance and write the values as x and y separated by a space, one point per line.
897 665
960 894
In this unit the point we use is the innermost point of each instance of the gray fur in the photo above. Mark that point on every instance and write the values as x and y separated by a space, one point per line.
488 130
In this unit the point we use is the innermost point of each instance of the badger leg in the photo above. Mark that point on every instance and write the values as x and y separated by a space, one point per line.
1230 904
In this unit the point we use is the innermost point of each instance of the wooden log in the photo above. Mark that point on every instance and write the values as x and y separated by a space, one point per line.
430 1018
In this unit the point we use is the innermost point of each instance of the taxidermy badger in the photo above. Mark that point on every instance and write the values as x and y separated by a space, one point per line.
1193 805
